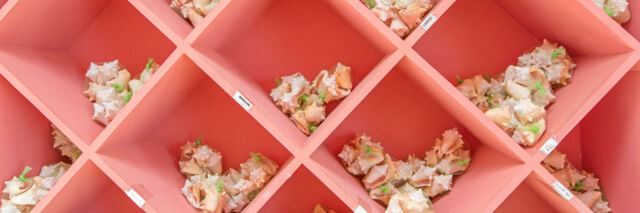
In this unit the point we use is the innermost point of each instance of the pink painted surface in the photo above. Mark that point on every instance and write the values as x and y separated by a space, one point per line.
53 66
536 194
633 26
21 122
90 190
301 193
526 200
406 119
159 12
601 59
192 106
285 37
606 143
404 97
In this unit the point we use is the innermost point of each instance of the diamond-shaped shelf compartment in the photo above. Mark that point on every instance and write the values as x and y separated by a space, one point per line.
605 143
185 104
406 113
282 37
48 46
503 30
304 191
90 190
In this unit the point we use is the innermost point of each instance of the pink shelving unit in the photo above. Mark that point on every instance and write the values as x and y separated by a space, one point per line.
404 97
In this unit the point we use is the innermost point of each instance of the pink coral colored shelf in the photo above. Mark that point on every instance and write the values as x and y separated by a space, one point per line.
404 97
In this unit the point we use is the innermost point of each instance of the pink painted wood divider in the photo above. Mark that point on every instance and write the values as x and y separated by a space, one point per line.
404 97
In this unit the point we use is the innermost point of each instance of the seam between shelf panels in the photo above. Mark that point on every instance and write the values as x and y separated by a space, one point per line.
62 183
116 179
275 184
514 182
298 158
375 22
157 22
612 25
344 196
206 22
42 108
352 101
129 107
592 101
406 46
519 178
532 162
283 175
230 89
594 98
462 103
85 30
519 153
297 152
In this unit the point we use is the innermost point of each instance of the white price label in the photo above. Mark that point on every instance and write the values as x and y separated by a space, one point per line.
136 197
562 191
549 145
242 101
426 24
360 210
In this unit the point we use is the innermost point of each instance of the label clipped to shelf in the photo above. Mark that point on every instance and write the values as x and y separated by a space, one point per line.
136 197
359 210
562 191
242 101
428 21
549 145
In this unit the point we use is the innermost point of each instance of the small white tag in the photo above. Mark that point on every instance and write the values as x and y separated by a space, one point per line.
360 210
563 191
549 145
242 101
426 24
136 197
